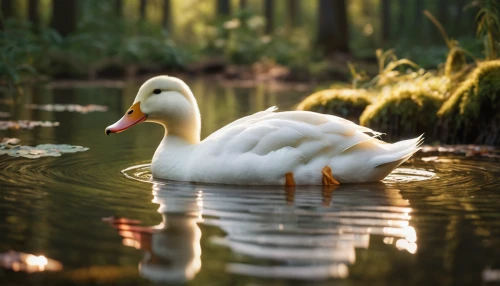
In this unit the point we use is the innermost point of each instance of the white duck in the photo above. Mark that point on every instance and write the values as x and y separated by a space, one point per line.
266 148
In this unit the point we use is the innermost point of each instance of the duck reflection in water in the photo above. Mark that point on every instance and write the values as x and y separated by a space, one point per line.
172 251
297 233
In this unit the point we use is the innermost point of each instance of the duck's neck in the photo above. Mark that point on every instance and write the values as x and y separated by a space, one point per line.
186 127
189 134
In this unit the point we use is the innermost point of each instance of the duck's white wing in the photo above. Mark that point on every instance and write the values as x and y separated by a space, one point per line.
302 142
268 131
243 121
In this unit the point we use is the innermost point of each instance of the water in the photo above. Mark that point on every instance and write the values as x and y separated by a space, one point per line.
434 221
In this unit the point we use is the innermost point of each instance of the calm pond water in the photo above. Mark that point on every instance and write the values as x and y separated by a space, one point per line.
435 221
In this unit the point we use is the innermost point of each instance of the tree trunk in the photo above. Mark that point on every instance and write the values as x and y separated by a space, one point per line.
64 16
7 11
33 16
332 27
293 9
386 20
142 9
401 17
167 16
243 4
269 14
119 7
417 20
223 7
442 12
7 8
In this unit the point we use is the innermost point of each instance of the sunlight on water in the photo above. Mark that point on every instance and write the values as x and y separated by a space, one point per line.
406 175
18 261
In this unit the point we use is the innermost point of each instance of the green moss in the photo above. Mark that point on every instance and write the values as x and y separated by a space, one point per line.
405 111
347 103
473 111
455 61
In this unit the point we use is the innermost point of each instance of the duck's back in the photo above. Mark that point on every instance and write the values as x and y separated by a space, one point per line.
260 149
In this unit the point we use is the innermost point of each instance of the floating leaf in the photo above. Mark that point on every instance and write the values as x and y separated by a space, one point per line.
26 124
69 107
62 148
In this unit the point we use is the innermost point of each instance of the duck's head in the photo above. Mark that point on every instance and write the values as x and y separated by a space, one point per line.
165 100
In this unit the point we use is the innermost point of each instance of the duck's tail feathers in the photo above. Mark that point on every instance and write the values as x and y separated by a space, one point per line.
398 153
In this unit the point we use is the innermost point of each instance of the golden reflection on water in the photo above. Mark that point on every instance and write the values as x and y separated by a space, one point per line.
172 250
18 261
301 233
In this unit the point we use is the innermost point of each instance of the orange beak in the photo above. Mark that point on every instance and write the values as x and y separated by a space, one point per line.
133 116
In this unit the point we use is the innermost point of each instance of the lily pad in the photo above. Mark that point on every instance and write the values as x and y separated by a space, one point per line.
8 146
69 107
26 124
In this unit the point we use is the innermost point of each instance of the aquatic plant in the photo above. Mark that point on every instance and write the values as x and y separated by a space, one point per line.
347 103
475 103
11 147
25 124
84 109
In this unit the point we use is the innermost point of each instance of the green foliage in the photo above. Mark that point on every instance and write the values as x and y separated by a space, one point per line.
347 103
488 27
101 38
242 40
22 52
16 50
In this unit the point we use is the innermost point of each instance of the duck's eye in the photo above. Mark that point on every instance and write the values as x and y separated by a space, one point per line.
157 91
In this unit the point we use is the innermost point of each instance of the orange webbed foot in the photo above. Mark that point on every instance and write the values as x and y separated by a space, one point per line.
328 178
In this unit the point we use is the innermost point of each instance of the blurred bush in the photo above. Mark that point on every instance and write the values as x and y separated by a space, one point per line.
243 41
